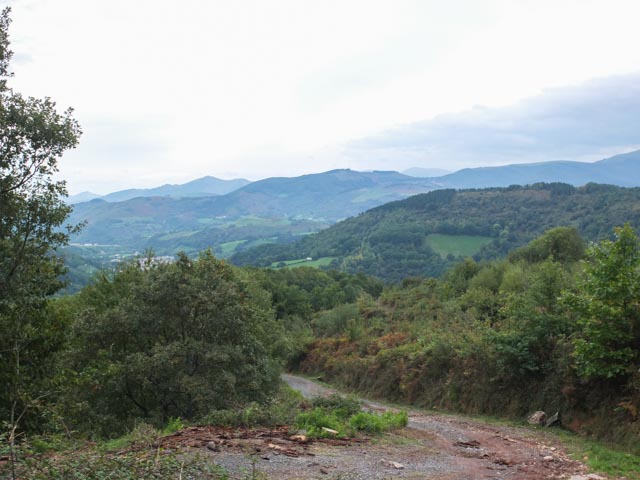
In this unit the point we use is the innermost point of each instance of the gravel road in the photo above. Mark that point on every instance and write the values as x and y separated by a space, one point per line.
432 446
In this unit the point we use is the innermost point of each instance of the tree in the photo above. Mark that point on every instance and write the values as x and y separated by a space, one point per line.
33 136
607 303
180 339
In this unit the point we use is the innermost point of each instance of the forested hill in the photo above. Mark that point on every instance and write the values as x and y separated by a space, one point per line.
426 233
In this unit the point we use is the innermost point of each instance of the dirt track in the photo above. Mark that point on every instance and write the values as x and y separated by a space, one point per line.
433 446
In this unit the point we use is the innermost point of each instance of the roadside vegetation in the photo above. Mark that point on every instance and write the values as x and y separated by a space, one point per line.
554 327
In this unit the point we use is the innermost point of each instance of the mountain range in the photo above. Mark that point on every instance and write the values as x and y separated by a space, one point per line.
621 170
201 187
198 214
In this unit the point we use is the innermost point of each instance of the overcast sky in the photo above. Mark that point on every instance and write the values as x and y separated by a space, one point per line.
169 91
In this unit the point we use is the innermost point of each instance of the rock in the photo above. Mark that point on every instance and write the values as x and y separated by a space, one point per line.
389 463
537 418
593 476
324 471
548 458
299 438
552 420
213 446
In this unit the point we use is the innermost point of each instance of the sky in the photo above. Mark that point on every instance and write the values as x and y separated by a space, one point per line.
170 91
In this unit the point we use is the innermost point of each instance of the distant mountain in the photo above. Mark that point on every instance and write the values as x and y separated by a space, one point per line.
622 170
260 210
202 187
331 195
192 216
81 197
425 234
425 172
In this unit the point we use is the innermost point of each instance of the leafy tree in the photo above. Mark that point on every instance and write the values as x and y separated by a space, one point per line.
563 244
171 340
608 308
33 136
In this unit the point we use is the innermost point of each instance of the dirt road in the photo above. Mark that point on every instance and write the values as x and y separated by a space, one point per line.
432 446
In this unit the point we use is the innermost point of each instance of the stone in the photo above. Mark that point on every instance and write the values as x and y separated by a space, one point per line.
389 463
552 420
213 446
548 458
537 418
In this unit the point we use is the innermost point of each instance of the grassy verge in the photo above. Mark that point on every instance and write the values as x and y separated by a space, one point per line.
337 416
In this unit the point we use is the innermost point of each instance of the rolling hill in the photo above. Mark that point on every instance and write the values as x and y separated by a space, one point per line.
260 210
425 234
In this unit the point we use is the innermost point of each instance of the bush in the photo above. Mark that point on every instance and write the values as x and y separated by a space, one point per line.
282 410
344 415
161 341
94 466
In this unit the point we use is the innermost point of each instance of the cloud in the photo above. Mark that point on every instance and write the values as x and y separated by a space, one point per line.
581 122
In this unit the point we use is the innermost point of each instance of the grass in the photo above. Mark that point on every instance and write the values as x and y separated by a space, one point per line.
303 262
344 415
600 457
228 248
456 245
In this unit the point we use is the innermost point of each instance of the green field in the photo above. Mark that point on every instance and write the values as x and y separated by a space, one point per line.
228 248
456 245
301 262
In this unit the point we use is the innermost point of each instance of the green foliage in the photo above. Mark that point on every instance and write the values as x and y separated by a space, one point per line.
33 136
501 337
562 244
345 416
395 240
129 466
336 320
343 407
173 425
372 423
456 245
281 410
156 341
606 303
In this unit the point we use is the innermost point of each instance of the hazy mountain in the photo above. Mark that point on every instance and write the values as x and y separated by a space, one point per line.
425 172
622 170
300 202
331 195
81 197
201 187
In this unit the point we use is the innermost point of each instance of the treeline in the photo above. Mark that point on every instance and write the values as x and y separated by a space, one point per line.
553 327
390 241
150 342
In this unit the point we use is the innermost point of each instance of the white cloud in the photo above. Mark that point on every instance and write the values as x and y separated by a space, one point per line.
261 88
